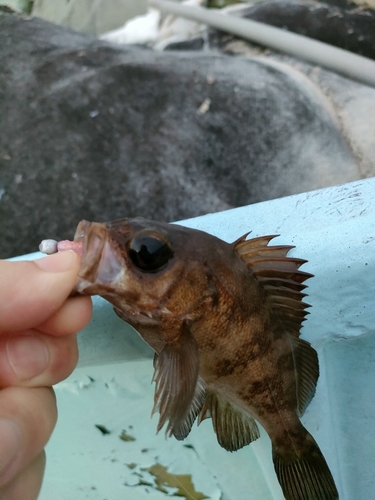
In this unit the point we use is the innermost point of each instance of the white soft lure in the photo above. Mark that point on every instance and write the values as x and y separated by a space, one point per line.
50 246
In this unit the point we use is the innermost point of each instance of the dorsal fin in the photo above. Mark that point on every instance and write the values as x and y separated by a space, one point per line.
283 281
279 275
307 370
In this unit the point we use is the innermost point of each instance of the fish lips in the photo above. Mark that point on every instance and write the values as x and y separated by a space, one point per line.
101 266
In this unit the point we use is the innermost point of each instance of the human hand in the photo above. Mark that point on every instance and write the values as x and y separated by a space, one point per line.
38 348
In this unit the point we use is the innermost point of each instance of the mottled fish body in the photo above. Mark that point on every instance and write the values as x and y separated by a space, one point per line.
224 321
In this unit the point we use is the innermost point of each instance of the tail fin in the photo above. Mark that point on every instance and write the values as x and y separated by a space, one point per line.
306 477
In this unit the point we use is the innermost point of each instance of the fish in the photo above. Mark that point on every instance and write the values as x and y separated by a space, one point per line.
224 321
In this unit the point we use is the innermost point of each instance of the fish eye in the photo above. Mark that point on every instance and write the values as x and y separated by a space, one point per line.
149 253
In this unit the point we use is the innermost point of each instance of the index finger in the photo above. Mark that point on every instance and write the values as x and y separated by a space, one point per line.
31 291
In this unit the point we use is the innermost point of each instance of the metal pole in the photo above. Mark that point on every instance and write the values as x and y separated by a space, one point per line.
333 58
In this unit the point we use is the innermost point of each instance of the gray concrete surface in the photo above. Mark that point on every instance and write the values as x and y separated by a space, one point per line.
88 16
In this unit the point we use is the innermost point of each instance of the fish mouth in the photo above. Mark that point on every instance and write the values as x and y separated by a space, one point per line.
101 264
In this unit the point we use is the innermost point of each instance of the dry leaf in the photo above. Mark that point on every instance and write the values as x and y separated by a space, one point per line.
183 483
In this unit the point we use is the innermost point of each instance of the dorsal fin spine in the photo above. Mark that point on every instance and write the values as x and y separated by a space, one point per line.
280 277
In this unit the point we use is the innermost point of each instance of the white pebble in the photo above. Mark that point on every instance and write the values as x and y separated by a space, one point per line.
48 247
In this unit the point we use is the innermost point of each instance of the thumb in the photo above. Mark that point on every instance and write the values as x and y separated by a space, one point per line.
30 292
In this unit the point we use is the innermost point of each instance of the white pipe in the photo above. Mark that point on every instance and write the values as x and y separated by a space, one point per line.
342 61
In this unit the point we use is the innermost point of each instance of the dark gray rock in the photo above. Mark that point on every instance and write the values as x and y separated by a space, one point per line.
338 23
90 130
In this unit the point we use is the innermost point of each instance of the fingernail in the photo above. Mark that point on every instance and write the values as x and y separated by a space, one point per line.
58 262
11 442
28 356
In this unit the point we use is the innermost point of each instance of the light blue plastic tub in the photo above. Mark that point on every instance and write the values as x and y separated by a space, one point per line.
334 229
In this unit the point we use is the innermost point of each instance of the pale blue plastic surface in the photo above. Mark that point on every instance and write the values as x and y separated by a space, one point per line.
334 229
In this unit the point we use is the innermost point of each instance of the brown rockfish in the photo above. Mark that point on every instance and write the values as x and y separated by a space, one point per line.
224 321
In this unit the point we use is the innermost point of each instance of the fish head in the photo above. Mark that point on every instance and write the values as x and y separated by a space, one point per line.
146 269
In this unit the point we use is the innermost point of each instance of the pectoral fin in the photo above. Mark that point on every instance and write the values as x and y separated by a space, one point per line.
178 395
234 429
181 431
